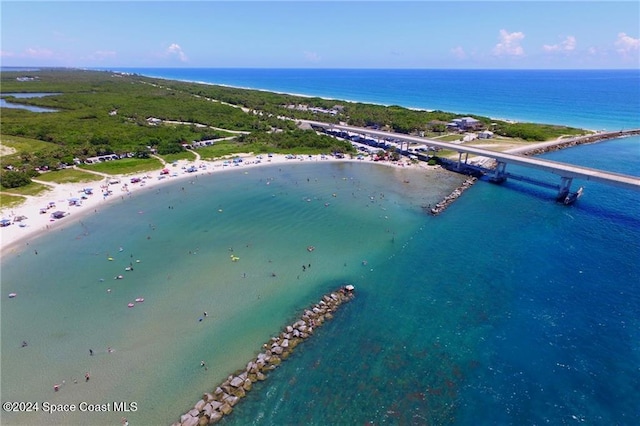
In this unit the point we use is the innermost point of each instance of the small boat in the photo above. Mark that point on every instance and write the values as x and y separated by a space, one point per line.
572 198
140 299
311 248
12 295
130 305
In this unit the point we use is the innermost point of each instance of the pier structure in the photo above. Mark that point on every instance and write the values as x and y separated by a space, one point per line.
566 172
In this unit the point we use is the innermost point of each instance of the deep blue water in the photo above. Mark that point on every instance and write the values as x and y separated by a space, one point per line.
507 309
591 99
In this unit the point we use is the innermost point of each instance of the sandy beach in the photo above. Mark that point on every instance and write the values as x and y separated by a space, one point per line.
39 221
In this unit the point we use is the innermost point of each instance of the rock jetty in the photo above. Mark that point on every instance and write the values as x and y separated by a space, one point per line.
220 402
442 205
581 140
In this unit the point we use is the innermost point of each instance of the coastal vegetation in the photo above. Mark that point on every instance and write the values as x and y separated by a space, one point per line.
69 176
132 117
30 189
125 166
8 201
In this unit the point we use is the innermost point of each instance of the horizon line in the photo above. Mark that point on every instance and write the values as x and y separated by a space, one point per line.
35 67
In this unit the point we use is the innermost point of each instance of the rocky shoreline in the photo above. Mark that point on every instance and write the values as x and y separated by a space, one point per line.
597 137
214 406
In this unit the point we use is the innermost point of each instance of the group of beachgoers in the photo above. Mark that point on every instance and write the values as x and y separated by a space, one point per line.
58 386
38 223
87 376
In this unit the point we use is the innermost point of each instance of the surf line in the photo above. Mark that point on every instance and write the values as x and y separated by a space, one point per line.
214 406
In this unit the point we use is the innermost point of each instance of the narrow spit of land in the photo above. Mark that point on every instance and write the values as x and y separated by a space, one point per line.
563 143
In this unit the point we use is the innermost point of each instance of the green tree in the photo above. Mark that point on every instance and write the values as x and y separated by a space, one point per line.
13 179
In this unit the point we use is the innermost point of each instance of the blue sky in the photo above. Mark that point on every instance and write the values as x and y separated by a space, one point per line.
322 34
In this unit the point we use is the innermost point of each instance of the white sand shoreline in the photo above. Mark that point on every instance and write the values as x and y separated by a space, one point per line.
14 236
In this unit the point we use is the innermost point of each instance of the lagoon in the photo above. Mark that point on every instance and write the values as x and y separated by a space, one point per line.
5 104
359 217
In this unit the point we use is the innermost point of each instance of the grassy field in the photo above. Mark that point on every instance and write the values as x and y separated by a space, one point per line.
69 176
19 143
34 189
9 201
227 149
449 138
125 166
185 155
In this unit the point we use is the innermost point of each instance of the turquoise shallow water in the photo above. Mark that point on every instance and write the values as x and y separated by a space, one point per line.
183 236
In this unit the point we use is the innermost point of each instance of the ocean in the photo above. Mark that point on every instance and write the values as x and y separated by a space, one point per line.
506 309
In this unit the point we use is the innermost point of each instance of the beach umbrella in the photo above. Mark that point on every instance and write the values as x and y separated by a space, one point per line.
58 214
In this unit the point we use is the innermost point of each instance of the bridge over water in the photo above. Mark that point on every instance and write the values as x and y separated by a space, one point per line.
567 172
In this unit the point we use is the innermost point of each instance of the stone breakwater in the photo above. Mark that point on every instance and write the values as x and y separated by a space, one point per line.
442 205
597 137
219 403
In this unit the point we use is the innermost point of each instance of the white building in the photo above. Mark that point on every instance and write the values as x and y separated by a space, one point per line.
485 134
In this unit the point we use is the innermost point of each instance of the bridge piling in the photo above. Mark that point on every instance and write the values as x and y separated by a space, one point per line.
466 158
565 187
499 173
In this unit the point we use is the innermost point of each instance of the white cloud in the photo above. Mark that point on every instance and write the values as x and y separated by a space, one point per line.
509 44
38 53
458 52
627 46
312 56
567 45
175 50
100 55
